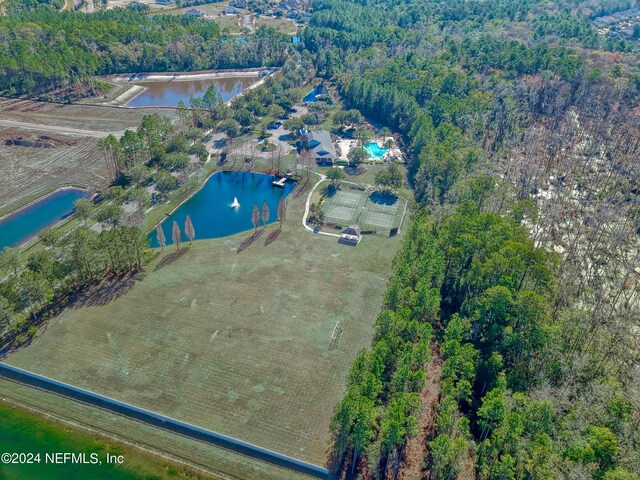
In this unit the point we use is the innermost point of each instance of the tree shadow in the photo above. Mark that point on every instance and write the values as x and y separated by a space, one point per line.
383 198
106 291
354 170
330 190
300 190
172 257
246 243
272 237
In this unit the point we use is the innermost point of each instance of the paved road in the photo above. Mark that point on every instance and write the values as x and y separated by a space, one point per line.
157 420
76 132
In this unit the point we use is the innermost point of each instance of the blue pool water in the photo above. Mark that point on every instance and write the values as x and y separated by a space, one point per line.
27 222
375 151
312 96
209 207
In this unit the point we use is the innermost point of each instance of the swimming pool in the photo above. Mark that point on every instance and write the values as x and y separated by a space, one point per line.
375 151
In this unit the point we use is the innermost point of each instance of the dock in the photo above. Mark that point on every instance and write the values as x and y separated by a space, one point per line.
279 183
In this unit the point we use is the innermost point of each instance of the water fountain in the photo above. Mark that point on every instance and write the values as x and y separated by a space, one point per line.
235 203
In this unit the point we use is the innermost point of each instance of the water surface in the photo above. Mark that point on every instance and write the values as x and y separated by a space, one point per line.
169 94
29 221
22 432
375 151
210 211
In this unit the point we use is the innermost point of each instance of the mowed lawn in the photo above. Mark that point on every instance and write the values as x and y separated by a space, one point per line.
238 343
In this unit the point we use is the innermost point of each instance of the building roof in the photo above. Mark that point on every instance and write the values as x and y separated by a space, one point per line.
321 144
195 12
353 230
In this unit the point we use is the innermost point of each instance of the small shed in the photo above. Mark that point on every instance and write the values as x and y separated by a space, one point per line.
350 236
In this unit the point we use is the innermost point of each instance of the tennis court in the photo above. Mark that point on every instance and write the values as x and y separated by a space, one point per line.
378 212
382 213
344 207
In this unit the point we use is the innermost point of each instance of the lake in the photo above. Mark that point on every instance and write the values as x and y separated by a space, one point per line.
27 222
210 210
169 94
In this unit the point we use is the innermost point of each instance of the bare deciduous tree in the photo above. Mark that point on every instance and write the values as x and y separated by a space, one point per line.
176 235
282 211
189 230
255 217
160 236
265 212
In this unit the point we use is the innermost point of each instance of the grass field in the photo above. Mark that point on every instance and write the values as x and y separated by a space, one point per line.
210 9
90 117
283 25
29 173
238 343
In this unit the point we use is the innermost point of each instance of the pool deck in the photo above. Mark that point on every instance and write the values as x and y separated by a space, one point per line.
346 144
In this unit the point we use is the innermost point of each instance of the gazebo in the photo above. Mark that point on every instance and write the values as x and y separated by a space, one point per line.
350 235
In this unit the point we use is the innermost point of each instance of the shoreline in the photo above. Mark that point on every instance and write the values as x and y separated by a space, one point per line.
168 215
130 94
250 87
24 244
186 76
137 85
43 197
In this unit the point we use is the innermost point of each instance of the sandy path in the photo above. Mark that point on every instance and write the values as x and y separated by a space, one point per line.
177 77
57 129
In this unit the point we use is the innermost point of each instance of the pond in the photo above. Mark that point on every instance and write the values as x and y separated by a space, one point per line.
169 93
29 221
210 208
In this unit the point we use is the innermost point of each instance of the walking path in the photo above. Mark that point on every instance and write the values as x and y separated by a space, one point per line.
41 127
308 205
161 421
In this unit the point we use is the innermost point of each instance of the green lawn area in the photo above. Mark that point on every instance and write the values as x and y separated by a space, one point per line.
211 9
283 25
238 343
230 22
22 431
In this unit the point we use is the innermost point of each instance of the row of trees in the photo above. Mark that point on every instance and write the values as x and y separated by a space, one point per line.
44 281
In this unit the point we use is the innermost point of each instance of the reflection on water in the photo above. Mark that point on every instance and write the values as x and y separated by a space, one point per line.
210 208
169 94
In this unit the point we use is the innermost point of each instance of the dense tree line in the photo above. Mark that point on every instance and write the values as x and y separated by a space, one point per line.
45 50
521 130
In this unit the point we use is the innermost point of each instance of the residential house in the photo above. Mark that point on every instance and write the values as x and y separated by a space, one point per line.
194 12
